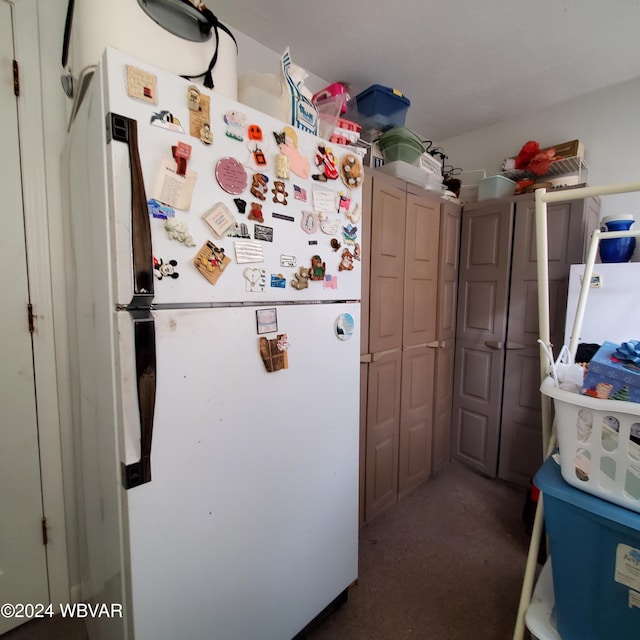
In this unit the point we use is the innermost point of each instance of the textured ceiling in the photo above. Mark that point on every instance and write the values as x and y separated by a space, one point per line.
464 64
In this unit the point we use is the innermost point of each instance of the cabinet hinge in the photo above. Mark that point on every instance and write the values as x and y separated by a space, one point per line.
16 79
31 319
45 537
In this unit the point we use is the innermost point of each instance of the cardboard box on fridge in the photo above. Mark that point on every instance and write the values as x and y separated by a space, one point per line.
611 378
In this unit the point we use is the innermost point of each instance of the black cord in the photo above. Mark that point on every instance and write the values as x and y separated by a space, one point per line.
67 33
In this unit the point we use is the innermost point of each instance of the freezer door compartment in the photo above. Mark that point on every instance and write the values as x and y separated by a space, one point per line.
249 526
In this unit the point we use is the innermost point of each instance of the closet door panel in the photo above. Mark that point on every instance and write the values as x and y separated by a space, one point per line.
521 436
416 415
383 428
387 265
450 219
421 270
443 405
481 331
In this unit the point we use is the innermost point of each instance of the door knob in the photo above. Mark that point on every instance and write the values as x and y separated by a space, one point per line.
515 345
493 344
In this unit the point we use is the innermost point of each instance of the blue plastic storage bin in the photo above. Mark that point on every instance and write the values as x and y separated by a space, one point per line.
381 107
595 552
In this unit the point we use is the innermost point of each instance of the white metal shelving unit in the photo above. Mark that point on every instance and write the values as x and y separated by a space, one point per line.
559 167
542 198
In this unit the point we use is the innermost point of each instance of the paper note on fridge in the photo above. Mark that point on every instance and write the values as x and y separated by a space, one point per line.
173 189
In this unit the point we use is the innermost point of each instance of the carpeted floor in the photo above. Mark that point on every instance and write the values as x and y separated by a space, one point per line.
446 563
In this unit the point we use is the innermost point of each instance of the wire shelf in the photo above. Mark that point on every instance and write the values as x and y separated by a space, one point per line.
559 167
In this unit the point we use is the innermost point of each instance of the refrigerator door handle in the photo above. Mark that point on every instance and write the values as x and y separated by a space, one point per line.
137 473
125 130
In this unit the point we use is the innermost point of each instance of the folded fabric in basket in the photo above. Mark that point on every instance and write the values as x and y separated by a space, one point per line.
611 375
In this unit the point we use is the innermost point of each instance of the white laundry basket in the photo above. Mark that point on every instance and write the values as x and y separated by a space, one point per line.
599 442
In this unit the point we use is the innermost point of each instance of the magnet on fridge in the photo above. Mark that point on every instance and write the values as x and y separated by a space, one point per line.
258 156
263 233
329 224
288 261
166 120
350 233
346 261
162 269
278 281
279 192
287 142
181 154
354 214
141 85
199 114
309 222
283 164
356 251
267 320
259 186
231 176
205 133
256 212
300 279
159 210
330 281
299 193
219 219
326 161
344 204
236 122
211 261
351 170
193 97
344 326
240 204
282 216
274 352
318 268
179 231
254 279
254 132
239 231
335 244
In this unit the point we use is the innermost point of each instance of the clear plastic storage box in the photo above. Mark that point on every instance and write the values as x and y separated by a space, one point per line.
495 187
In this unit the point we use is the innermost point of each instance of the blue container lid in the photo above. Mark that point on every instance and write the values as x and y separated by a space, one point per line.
550 481
397 95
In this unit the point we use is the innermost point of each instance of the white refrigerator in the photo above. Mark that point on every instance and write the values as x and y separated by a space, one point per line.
215 361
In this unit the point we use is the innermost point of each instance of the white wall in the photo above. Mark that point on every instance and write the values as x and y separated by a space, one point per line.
606 121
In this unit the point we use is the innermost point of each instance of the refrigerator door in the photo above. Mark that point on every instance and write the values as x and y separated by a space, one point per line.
283 223
248 528
612 307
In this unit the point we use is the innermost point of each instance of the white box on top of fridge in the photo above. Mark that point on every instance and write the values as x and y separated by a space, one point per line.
216 360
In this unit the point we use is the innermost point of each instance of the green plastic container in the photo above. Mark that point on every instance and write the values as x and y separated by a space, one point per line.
402 150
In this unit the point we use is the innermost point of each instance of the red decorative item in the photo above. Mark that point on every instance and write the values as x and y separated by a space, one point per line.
541 162
526 154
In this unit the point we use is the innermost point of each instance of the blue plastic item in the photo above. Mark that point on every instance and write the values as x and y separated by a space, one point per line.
617 249
381 107
595 552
